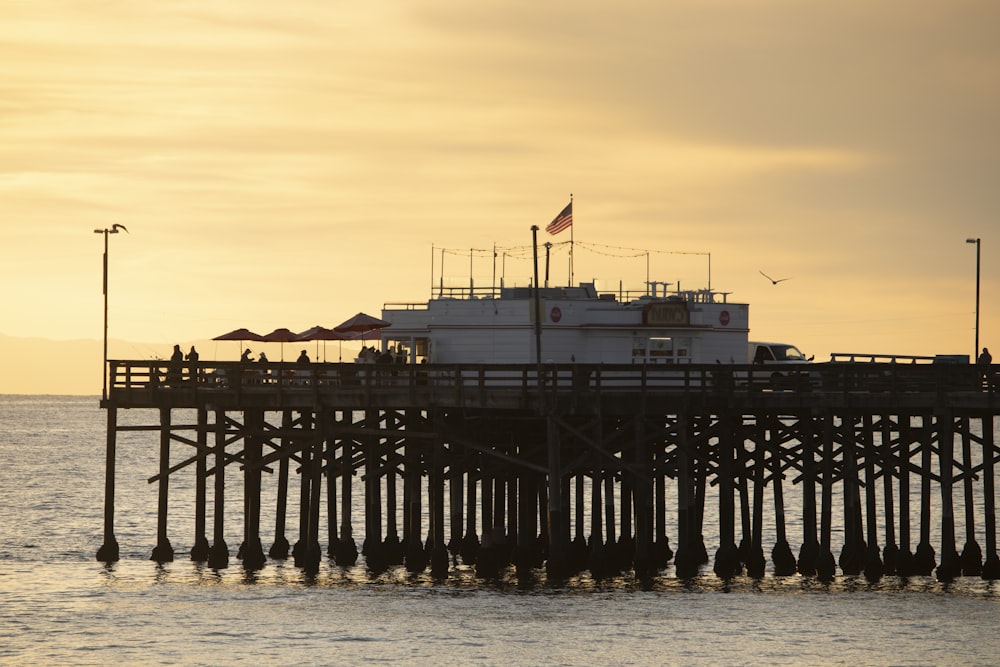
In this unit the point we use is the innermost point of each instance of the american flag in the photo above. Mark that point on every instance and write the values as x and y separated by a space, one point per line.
562 221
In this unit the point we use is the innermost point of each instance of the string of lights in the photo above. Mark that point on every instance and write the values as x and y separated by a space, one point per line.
634 252
555 249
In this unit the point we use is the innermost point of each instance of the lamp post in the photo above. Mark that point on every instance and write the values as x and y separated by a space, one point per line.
104 368
975 351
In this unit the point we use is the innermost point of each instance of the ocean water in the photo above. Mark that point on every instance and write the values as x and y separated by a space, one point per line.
59 606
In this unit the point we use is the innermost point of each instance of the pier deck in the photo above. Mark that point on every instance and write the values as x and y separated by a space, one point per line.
510 461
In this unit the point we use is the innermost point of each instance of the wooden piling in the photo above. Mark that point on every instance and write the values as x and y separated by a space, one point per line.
925 558
825 564
890 469
971 559
755 559
163 552
252 550
218 555
280 547
809 550
873 567
109 549
950 566
199 550
991 564
558 519
727 556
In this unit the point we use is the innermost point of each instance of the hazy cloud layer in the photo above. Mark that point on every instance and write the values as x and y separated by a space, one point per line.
291 164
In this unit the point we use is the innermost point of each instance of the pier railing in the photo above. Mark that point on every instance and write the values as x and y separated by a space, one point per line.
143 378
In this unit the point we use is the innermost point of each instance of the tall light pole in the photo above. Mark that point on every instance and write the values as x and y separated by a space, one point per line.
975 352
104 368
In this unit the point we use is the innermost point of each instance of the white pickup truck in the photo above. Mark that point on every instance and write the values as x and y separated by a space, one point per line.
774 353
786 366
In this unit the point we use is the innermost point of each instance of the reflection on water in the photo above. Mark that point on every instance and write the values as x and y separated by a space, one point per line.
462 580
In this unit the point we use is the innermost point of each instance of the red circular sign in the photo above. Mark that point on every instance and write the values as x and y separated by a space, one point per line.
724 318
555 314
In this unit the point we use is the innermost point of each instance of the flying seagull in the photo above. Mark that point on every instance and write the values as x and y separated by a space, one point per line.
773 281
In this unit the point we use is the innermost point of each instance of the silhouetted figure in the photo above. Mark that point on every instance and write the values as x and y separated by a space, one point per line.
174 370
303 359
983 364
192 358
262 359
247 356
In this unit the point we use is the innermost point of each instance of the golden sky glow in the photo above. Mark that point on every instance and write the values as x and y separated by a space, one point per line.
291 164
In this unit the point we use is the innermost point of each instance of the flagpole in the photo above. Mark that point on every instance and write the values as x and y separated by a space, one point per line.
571 246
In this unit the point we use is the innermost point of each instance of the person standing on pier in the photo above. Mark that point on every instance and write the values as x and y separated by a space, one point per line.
192 357
174 370
303 359
983 363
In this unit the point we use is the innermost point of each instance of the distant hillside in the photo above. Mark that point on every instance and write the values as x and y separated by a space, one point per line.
42 366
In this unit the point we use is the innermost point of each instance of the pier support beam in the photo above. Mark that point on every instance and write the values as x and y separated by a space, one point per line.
686 561
321 431
890 553
924 561
972 553
826 566
470 541
852 555
109 552
435 492
809 549
199 552
218 555
991 566
905 560
781 554
873 561
280 548
163 552
643 560
347 549
556 567
252 551
392 545
727 558
662 553
950 566
487 559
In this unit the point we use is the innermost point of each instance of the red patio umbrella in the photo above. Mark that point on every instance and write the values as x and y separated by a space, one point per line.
318 333
240 335
282 336
362 324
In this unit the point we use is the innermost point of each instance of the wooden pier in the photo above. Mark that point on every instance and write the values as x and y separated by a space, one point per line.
577 467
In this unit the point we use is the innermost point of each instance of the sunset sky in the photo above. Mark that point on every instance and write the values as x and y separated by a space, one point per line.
290 164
